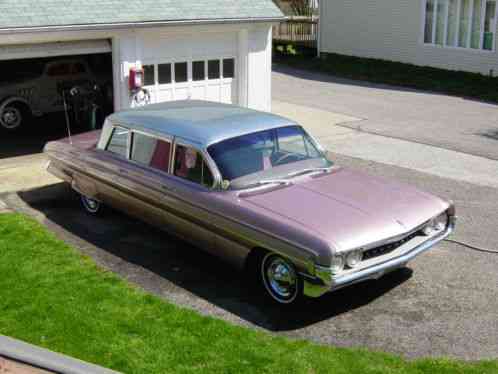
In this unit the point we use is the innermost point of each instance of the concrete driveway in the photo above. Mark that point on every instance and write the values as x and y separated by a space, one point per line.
454 123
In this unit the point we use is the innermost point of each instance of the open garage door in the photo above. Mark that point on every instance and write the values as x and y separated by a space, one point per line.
83 47
35 82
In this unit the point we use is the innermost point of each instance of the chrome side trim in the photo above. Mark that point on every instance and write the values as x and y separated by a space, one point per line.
325 281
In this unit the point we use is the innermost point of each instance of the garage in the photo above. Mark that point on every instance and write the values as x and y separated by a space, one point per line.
216 50
42 76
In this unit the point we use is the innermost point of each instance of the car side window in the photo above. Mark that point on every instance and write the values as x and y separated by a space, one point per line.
118 144
151 151
59 69
190 165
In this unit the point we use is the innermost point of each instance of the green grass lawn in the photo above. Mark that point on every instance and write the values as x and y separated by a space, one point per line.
456 83
52 296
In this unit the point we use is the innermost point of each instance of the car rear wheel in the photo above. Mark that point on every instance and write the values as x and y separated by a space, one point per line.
281 279
92 206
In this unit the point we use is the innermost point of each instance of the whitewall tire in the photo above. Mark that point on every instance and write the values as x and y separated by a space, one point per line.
280 279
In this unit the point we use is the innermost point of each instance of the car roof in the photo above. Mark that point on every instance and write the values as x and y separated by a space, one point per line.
202 122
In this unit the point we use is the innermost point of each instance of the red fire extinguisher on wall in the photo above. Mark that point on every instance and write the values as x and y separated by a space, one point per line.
139 95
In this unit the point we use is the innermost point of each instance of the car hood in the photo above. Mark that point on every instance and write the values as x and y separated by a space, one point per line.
349 209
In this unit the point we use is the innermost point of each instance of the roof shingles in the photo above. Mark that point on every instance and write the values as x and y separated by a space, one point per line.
41 13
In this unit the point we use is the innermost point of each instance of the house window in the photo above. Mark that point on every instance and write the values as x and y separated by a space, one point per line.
460 23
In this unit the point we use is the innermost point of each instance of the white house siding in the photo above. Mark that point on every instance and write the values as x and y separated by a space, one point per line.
248 43
393 30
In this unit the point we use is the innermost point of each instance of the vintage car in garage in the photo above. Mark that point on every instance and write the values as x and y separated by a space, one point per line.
254 189
35 93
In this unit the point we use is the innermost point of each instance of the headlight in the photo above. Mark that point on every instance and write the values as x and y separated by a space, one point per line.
353 258
441 222
337 264
436 224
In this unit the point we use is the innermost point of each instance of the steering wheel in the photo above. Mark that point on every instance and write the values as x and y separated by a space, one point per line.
297 156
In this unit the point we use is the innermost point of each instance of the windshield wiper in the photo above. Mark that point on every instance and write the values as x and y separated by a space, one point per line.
310 170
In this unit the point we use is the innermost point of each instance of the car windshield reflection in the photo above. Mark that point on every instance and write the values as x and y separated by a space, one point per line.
273 154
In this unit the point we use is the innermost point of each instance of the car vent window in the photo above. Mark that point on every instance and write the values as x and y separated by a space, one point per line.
118 144
190 165
151 152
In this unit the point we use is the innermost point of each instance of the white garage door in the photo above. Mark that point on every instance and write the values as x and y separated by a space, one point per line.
188 67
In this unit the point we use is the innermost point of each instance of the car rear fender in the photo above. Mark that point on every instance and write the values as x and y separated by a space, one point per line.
15 99
84 186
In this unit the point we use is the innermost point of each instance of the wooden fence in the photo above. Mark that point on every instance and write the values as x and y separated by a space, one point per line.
302 31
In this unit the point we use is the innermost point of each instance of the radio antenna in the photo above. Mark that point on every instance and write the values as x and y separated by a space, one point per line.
67 117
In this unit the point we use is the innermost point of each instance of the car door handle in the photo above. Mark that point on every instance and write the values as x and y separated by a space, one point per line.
124 171
167 188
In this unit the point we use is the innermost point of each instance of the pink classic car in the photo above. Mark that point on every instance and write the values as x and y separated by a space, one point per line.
254 189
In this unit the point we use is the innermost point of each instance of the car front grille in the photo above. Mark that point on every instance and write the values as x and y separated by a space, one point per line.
388 248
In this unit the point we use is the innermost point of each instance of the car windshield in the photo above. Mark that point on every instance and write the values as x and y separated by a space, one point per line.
267 156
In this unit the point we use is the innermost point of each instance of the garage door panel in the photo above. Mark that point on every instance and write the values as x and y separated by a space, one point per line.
182 93
213 93
164 94
198 93
227 93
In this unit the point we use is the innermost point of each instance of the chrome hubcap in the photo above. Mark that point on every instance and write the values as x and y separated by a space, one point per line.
11 117
281 278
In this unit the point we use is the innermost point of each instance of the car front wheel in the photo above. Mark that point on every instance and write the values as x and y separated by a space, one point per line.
281 279
92 206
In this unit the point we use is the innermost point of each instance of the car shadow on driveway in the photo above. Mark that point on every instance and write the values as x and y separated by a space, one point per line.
178 272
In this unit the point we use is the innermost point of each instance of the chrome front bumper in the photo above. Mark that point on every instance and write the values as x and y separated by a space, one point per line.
324 281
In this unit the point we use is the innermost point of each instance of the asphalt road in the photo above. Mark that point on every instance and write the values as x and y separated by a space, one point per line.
454 123
444 304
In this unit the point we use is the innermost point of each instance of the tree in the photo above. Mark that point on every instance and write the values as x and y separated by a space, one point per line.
303 7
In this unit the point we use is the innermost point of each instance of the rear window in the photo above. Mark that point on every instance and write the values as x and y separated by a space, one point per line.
118 144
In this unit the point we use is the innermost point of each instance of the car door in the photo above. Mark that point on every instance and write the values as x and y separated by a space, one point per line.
188 193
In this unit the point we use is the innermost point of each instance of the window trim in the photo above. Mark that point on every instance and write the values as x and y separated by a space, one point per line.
467 48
